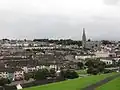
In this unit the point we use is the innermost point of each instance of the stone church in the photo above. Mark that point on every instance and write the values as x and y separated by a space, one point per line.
89 44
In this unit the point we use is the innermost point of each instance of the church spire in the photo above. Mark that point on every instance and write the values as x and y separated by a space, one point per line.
84 39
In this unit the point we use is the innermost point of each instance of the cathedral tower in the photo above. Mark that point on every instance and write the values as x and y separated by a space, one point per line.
84 39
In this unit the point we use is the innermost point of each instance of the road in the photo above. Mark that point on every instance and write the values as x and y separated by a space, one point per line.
100 83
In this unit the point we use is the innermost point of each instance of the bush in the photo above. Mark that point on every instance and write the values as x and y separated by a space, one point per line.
90 70
93 71
73 75
4 81
80 65
52 72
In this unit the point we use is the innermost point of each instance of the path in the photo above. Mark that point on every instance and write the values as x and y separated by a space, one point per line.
100 83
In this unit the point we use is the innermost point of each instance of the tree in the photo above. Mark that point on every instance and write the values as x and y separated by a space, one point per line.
89 63
73 75
4 81
61 41
27 76
80 65
90 70
41 74
101 66
105 42
52 72
69 74
95 66
28 50
118 64
108 71
93 71
89 40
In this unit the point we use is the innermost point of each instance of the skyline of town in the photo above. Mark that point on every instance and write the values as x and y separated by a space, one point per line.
59 44
62 38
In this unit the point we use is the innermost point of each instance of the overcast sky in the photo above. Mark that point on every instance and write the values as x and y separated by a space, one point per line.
56 19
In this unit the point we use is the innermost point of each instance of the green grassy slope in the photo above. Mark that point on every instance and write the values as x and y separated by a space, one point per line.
75 84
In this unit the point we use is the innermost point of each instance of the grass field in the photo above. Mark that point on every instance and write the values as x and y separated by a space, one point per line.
75 84
112 85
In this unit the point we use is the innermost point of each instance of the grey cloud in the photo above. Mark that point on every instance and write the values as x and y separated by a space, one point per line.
20 25
35 26
103 28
